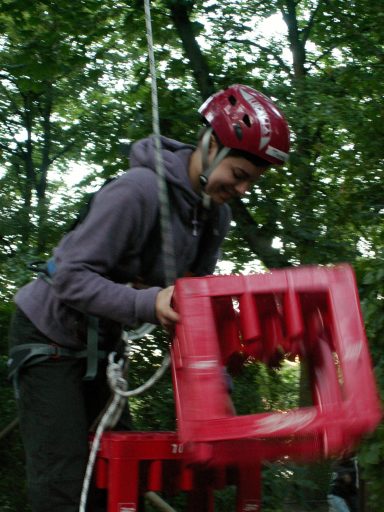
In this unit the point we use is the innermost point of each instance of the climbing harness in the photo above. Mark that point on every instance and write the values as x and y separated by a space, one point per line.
33 353
28 354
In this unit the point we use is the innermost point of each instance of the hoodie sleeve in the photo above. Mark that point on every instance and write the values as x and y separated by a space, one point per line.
120 219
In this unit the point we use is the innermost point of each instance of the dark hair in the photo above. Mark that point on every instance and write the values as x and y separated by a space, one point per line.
255 160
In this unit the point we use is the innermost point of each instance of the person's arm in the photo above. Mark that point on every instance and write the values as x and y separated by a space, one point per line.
121 216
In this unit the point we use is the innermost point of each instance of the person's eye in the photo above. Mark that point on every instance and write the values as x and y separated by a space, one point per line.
239 174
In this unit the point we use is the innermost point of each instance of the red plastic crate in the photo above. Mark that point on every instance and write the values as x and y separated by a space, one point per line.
309 312
132 463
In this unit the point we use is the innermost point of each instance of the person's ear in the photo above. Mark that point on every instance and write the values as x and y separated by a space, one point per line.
213 145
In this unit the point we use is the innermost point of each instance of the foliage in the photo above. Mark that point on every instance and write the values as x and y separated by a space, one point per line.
75 92
371 453
12 479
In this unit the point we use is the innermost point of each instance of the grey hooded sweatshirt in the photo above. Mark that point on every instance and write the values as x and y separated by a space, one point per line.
119 242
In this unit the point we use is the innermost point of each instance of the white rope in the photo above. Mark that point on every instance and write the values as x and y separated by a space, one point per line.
119 386
139 332
169 259
155 499
165 214
115 370
95 448
152 69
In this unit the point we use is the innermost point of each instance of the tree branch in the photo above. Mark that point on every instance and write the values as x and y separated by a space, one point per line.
180 17
255 238
306 32
64 150
297 46
264 49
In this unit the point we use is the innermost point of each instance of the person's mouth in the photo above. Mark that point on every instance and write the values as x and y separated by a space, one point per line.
227 195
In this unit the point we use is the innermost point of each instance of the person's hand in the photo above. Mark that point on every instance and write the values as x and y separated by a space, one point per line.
166 315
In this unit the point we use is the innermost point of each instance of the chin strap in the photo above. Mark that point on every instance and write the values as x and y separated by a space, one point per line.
208 167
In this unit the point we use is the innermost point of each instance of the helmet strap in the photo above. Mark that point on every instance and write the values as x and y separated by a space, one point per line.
206 200
207 167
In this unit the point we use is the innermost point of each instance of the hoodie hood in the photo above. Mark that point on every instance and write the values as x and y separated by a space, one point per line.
176 157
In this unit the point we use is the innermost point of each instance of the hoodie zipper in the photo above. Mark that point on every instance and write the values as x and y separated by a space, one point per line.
195 222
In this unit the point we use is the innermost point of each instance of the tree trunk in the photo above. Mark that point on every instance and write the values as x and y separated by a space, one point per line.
45 159
259 241
184 26
295 42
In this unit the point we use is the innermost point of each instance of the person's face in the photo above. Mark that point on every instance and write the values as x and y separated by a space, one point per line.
233 177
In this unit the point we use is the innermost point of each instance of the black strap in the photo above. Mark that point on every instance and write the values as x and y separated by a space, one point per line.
92 342
28 354
41 267
46 270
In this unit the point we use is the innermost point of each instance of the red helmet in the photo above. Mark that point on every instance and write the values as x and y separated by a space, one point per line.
245 119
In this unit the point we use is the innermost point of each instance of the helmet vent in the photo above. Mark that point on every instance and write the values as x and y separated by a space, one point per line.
232 100
247 120
238 131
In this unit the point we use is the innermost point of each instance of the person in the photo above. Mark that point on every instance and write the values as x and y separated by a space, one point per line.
118 243
343 493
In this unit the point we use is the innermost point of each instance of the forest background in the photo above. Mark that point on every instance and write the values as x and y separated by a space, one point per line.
75 92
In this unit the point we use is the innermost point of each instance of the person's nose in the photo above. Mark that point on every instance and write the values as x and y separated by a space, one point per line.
242 187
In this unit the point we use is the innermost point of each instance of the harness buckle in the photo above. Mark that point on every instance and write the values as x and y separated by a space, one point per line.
56 353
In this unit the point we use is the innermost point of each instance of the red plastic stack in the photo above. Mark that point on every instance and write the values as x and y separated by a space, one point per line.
310 313
129 464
